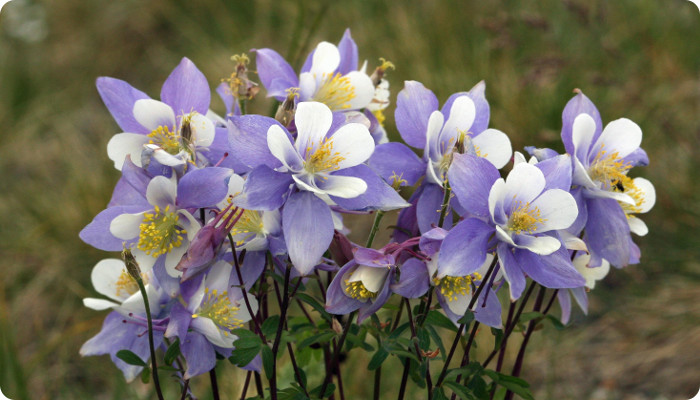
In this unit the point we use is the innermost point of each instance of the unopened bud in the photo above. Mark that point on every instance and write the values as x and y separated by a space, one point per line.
132 267
285 112
337 328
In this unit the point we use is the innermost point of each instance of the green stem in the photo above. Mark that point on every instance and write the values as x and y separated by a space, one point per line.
151 346
375 227
336 353
445 203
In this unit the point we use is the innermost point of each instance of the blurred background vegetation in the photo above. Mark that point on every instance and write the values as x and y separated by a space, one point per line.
634 58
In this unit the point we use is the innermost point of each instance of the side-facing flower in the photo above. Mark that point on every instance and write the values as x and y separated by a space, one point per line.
111 279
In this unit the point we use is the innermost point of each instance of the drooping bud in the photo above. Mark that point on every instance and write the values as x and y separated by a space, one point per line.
285 112
132 267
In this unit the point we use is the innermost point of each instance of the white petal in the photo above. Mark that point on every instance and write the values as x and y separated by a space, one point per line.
313 120
572 242
637 226
622 136
189 223
542 245
648 194
153 113
346 187
307 86
494 146
145 261
208 328
218 275
105 275
204 130
126 226
524 183
557 208
272 221
372 278
306 182
161 191
591 274
354 143
461 118
518 158
326 58
363 89
504 236
460 303
173 257
604 194
280 147
126 144
496 198
98 304
432 135
582 135
580 176
235 187
166 158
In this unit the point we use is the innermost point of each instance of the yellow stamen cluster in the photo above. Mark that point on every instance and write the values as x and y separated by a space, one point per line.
386 64
379 115
397 180
523 218
165 139
160 232
249 225
627 186
126 284
357 290
335 91
218 308
323 159
451 286
609 169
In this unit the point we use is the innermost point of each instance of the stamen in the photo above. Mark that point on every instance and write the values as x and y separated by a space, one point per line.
451 286
218 308
524 219
323 159
160 232
335 91
609 169
165 139
248 226
126 284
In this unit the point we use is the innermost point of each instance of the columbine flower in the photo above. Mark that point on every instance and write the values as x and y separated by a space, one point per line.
205 323
166 227
111 279
524 216
315 157
601 160
330 76
591 275
363 283
174 131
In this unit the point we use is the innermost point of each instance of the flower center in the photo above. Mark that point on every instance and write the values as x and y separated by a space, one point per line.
218 308
357 289
249 225
160 232
524 218
335 91
609 169
451 286
126 284
323 159
626 185
165 139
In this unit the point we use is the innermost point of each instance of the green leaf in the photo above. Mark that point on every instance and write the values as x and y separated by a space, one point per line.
404 353
556 322
377 359
269 326
268 361
460 390
291 393
172 352
437 339
529 316
317 390
439 319
146 375
498 338
439 394
315 304
317 338
398 331
242 356
478 387
512 383
466 319
423 338
130 358
357 341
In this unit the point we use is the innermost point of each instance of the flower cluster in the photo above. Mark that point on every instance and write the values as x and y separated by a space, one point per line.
219 210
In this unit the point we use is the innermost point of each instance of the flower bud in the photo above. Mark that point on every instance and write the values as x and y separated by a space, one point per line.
132 267
285 112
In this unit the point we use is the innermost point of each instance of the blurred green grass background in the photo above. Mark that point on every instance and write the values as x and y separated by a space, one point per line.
634 58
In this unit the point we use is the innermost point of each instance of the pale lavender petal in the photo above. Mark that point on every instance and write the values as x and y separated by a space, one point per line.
348 54
224 92
565 304
414 281
308 230
481 120
464 248
248 140
337 301
119 97
487 310
511 271
557 172
471 179
553 271
378 196
396 161
579 104
429 206
199 354
407 222
414 105
637 158
179 323
582 216
221 154
607 231
264 189
270 65
125 194
581 298
186 89
431 241
204 187
97 232
253 265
